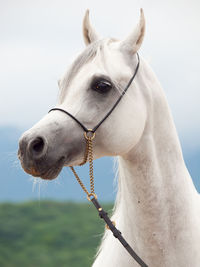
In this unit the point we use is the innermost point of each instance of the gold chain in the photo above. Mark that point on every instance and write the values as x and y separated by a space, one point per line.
87 157
91 169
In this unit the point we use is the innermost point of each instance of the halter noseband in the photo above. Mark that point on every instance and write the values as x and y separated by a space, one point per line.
89 135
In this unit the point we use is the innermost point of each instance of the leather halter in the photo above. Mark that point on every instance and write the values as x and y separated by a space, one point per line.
110 225
110 111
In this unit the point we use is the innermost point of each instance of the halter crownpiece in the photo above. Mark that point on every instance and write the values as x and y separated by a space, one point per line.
89 135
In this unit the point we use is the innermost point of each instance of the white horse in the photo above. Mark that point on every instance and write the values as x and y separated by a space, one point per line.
157 206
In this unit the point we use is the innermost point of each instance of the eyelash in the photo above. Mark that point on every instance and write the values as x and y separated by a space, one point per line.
101 86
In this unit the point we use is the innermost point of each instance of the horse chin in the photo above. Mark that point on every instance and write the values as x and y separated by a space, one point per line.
53 172
50 175
47 173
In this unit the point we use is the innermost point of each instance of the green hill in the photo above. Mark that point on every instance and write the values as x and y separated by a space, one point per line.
49 233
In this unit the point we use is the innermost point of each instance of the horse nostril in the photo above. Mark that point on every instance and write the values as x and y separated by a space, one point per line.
37 146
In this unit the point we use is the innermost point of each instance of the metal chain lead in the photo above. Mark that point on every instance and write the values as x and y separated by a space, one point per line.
93 198
86 153
79 181
89 136
91 169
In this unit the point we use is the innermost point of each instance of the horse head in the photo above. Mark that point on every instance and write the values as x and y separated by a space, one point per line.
91 85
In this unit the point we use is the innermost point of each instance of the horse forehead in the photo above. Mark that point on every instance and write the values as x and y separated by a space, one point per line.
99 50
103 61
86 56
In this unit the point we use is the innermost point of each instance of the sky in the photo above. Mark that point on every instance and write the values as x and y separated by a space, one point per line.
40 38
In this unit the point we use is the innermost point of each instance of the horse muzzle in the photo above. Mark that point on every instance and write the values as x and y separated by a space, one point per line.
35 159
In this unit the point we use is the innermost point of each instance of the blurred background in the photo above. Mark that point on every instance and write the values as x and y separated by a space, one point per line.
38 41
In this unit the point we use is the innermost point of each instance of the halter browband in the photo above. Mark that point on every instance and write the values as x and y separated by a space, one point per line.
92 196
110 111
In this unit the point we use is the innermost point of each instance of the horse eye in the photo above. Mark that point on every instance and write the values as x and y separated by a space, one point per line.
101 86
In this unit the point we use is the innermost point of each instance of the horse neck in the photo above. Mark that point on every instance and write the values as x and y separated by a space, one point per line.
155 190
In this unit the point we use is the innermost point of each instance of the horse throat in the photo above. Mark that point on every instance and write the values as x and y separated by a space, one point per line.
157 204
156 192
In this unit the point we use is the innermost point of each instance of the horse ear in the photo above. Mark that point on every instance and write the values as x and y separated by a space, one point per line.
89 34
134 40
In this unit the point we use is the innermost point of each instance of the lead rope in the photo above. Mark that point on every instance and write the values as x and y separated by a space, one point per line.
89 136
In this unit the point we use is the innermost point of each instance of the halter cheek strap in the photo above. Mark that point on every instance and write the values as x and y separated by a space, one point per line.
110 111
